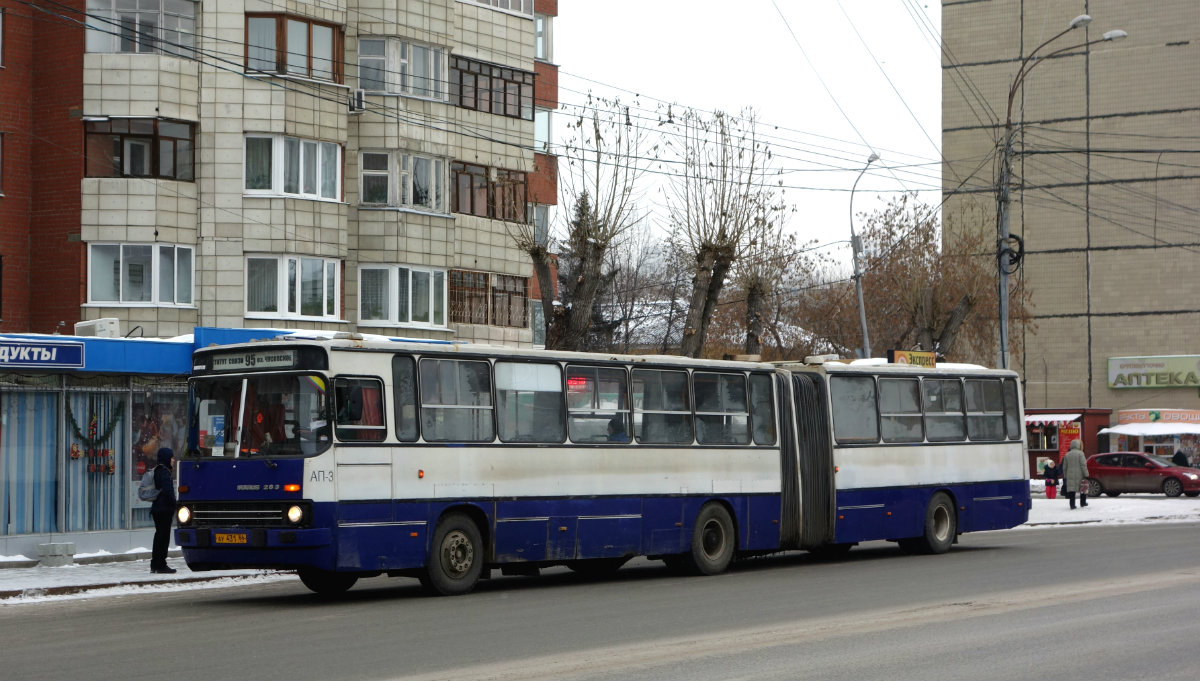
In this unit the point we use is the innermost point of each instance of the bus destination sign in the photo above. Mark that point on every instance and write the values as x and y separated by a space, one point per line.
916 358
258 359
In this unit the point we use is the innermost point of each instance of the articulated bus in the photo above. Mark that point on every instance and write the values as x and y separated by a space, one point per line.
346 458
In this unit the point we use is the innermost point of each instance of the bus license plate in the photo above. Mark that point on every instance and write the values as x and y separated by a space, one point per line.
230 537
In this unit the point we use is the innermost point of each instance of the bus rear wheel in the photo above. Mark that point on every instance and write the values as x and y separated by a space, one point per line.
941 527
455 558
713 541
325 582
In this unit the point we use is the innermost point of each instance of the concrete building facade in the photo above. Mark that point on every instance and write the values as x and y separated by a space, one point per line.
1105 184
357 165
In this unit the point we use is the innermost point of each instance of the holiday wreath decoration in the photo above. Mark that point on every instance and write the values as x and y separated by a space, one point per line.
93 441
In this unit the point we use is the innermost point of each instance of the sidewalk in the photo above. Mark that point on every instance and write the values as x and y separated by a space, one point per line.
22 579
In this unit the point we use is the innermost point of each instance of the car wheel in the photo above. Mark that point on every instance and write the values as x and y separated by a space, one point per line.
1172 487
1095 489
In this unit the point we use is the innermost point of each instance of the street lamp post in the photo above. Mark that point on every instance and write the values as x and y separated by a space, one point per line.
856 246
1004 190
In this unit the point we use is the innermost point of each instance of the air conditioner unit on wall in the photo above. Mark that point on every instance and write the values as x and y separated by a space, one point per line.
106 327
358 102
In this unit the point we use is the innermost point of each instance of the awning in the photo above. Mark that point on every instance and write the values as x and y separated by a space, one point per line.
1050 419
1151 429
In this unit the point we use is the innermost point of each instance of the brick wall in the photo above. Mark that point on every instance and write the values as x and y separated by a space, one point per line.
15 119
56 282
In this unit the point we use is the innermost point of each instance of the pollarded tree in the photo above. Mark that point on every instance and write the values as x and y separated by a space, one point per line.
599 168
718 201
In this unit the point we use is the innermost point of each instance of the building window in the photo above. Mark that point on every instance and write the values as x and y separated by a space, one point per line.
520 6
468 297
277 43
401 67
292 286
407 180
539 216
491 88
162 26
402 295
543 37
479 298
541 130
291 166
140 147
153 274
509 301
488 192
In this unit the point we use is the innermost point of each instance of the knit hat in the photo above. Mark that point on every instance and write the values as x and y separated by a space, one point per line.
165 455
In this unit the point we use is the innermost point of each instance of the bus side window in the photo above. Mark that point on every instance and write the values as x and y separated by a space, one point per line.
404 393
762 409
664 403
456 400
855 414
360 409
722 416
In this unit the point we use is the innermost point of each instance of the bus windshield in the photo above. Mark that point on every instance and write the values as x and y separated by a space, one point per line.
260 415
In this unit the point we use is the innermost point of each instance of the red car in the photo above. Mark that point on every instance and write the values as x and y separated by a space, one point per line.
1118 472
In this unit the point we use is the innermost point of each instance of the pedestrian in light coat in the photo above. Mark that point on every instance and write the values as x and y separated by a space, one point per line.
1074 472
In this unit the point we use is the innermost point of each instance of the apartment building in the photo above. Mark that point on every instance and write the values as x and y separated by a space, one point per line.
353 165
175 167
1105 187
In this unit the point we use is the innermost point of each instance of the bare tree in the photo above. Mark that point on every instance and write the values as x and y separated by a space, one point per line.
599 171
717 201
924 288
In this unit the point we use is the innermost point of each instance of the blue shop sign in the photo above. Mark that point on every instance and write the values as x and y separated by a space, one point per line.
41 354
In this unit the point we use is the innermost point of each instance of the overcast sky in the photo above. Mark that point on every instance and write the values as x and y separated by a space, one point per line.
833 80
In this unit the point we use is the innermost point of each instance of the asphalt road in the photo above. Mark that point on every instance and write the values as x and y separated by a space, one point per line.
1080 602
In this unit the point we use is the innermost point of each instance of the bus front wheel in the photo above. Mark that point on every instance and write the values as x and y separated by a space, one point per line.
455 558
941 527
325 582
713 541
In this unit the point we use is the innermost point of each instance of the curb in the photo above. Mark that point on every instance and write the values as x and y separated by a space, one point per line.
80 588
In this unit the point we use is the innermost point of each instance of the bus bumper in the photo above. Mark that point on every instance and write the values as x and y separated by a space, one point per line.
224 548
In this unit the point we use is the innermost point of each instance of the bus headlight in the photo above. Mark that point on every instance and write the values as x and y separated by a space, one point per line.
295 515
183 515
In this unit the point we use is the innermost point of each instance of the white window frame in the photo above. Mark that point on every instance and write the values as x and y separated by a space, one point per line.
397 73
399 181
543 129
522 7
289 291
156 250
171 32
404 274
282 149
543 37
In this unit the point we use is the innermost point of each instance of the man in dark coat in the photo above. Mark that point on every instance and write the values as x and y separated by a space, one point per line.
1180 459
163 510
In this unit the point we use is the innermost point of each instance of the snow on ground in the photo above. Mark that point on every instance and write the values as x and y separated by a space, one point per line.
36 584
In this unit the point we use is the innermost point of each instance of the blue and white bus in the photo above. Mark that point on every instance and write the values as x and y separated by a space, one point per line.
346 458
